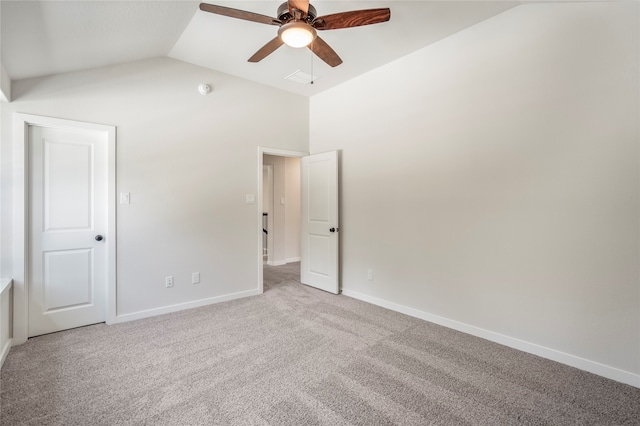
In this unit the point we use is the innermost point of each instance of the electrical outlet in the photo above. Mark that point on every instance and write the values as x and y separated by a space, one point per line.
168 282
195 278
370 274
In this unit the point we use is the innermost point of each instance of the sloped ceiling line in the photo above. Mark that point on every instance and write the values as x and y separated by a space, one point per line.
50 37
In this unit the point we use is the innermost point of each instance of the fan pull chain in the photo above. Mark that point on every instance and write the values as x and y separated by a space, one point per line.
312 62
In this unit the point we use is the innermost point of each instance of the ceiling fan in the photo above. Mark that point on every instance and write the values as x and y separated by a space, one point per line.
298 22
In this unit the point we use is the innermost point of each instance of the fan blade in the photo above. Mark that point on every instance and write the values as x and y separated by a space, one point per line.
239 14
355 18
302 5
325 52
266 50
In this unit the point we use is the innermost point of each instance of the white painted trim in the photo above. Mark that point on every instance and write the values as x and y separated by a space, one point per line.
293 259
5 285
21 209
5 351
112 228
532 348
261 152
5 85
281 152
187 305
276 263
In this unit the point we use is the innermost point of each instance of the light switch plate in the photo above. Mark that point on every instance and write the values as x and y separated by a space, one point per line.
124 198
250 199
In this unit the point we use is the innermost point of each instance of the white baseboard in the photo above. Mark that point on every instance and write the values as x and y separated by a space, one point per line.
182 306
282 262
5 352
532 348
6 299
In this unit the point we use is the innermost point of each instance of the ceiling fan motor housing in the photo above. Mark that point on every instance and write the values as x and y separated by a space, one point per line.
285 16
298 28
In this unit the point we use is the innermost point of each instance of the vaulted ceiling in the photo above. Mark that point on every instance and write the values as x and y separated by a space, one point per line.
49 37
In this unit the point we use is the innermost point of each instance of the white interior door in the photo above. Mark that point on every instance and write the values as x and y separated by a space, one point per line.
68 257
320 242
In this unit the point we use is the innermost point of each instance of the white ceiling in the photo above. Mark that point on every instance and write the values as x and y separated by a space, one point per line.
49 37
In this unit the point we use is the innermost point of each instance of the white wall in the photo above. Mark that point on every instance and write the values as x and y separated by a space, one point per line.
292 209
187 159
491 181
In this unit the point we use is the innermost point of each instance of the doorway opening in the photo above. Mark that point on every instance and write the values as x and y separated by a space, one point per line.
280 217
317 232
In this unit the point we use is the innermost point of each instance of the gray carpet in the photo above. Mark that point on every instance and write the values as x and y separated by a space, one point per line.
295 356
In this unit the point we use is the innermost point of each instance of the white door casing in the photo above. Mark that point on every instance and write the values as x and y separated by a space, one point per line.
319 266
21 215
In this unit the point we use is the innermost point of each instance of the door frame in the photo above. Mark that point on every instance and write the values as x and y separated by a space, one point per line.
261 152
21 123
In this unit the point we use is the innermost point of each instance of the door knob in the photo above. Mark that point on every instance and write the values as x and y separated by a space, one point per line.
99 237
333 229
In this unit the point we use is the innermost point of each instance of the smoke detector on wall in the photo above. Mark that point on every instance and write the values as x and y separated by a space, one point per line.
204 88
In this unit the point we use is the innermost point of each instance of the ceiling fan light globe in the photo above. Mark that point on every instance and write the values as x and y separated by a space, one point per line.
297 34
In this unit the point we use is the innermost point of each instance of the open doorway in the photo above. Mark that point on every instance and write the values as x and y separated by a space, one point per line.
317 232
280 199
267 211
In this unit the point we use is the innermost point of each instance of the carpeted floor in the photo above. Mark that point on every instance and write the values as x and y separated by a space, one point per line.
295 356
